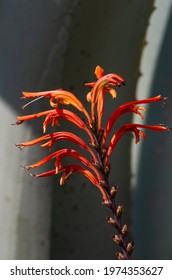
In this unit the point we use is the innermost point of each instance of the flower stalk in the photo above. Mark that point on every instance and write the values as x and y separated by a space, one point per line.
96 165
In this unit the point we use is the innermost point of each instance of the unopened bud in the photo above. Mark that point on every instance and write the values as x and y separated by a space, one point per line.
119 211
130 247
124 230
117 239
113 191
120 256
112 221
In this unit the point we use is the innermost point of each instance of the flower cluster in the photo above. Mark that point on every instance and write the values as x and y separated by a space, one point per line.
97 167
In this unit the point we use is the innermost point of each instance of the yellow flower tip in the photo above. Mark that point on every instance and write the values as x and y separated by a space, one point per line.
88 97
65 175
44 128
113 93
25 94
57 170
61 181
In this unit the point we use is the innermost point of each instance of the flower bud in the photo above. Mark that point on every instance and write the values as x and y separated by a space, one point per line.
117 239
119 211
112 221
120 256
113 191
130 247
124 230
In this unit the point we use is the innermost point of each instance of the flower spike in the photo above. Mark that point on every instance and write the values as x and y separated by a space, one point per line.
95 164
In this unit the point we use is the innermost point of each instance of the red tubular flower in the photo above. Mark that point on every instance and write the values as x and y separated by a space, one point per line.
125 108
59 96
53 116
69 169
134 128
59 155
55 137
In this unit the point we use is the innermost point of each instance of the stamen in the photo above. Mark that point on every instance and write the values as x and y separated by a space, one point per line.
24 106
163 101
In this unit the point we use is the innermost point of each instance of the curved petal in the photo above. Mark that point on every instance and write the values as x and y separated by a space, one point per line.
74 168
68 115
125 108
45 160
59 155
101 86
60 96
134 128
21 119
77 168
53 115
55 137
100 110
74 154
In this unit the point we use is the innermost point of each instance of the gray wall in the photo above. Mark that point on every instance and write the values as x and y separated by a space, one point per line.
51 44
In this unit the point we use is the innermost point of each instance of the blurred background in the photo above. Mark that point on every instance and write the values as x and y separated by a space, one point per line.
58 43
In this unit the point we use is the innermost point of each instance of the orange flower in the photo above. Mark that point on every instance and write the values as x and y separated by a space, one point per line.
69 169
53 116
134 128
97 93
59 155
125 108
55 137
59 96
